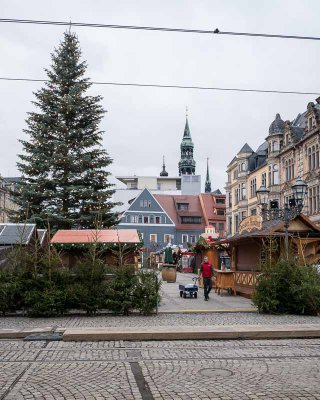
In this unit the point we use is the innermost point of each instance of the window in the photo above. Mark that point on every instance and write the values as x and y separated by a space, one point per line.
220 212
289 169
313 199
275 145
229 225
253 187
153 237
243 215
145 220
273 175
184 238
183 206
221 226
220 201
134 219
236 195
192 239
253 211
151 219
264 179
313 157
158 220
230 199
191 220
167 238
236 223
235 174
243 167
140 219
145 203
214 225
243 191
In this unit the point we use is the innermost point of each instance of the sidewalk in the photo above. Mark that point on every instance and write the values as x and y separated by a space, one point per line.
172 302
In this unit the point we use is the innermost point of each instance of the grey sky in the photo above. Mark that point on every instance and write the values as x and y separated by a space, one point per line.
142 124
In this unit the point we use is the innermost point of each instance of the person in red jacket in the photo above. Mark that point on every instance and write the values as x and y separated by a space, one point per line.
206 271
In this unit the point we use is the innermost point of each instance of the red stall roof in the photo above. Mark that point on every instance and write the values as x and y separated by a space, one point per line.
100 236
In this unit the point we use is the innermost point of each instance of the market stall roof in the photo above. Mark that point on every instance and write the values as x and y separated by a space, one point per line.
299 226
12 234
96 236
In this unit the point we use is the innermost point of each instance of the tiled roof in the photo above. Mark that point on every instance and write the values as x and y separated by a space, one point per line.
98 236
169 204
11 234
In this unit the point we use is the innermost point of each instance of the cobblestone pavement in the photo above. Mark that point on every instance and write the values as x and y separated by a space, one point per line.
224 370
171 300
180 319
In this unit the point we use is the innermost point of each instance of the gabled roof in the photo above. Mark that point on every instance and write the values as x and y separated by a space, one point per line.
246 149
276 228
11 234
169 204
232 161
96 236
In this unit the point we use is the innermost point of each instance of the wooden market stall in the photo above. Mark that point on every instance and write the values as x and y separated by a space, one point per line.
73 244
247 248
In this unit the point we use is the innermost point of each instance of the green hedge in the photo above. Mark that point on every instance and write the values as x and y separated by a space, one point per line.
43 288
287 287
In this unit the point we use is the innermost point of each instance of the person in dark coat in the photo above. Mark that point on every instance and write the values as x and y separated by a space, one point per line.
206 271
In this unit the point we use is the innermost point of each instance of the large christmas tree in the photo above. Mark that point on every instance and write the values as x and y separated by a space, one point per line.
64 180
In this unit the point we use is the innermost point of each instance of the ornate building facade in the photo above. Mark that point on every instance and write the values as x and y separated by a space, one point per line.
7 204
290 150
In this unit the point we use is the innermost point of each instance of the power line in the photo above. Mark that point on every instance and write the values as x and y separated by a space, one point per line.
155 85
154 28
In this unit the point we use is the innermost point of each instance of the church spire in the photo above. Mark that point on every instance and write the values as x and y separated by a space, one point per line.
207 186
187 165
164 172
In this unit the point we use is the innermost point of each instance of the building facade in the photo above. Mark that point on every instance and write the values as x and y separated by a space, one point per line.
7 205
290 150
175 219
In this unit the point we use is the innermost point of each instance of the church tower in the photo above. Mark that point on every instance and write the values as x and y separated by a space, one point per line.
187 165
207 185
164 172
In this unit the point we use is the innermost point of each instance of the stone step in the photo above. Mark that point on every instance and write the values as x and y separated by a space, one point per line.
193 332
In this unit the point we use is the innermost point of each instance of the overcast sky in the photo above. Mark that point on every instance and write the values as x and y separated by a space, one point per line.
142 124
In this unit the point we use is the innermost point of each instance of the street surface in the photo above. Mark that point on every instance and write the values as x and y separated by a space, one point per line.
171 300
264 369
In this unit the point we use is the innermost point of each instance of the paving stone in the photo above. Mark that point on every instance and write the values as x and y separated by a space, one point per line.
242 370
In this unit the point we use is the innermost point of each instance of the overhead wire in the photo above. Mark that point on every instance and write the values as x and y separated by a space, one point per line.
154 28
156 85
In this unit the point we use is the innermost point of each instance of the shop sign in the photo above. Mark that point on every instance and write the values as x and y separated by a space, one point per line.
250 224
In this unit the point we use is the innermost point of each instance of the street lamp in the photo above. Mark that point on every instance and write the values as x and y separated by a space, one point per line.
289 211
263 196
299 191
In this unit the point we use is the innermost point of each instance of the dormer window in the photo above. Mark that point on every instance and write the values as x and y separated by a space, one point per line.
183 206
310 123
